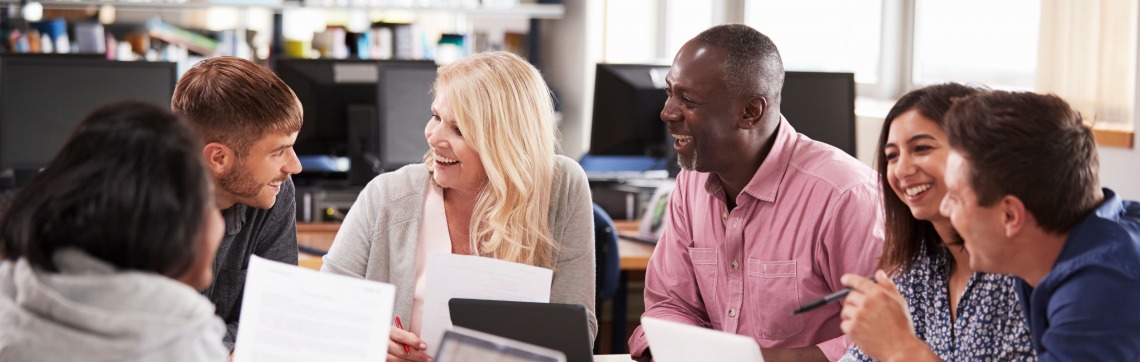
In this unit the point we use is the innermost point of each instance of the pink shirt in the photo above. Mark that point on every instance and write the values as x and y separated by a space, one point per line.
810 214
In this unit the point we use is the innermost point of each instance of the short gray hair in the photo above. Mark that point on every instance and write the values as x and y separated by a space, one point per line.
753 66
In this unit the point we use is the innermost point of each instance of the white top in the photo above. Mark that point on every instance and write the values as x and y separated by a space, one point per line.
433 239
379 236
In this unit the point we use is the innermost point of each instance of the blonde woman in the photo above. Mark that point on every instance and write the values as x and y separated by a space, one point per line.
491 185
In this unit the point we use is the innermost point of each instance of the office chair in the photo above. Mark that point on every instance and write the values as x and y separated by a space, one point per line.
608 275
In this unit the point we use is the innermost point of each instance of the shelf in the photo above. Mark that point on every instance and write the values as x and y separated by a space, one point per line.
157 5
1113 137
534 11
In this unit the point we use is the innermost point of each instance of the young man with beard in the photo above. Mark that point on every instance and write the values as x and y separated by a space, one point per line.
248 119
762 219
1023 190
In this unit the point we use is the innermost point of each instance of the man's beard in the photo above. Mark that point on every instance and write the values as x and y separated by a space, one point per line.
688 163
240 183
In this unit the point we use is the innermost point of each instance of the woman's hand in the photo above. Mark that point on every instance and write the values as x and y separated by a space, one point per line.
875 317
417 349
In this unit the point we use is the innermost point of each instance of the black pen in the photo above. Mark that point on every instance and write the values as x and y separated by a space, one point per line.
823 301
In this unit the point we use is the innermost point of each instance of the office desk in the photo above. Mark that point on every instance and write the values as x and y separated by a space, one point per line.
317 235
612 358
634 255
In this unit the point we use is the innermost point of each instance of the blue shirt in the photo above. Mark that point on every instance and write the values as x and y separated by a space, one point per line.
989 326
1088 307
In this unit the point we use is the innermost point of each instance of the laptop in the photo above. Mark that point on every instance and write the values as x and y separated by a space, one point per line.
561 327
676 342
465 345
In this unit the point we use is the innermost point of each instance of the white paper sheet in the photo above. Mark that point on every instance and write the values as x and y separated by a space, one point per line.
473 277
290 313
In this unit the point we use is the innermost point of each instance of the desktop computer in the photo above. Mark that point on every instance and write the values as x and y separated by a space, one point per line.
362 117
43 98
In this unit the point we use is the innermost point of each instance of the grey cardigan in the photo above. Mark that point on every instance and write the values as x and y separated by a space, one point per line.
379 236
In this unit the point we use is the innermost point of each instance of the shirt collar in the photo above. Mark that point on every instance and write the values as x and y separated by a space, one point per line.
1111 208
1094 228
765 183
235 218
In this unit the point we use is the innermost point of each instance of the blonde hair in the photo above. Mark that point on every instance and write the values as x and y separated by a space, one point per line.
505 112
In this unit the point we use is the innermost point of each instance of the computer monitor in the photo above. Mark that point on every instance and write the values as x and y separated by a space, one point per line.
326 89
346 108
627 106
404 98
821 106
43 98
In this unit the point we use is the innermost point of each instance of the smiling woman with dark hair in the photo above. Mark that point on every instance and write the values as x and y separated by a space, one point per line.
105 250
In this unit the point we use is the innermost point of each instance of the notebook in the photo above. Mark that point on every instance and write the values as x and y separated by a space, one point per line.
676 342
561 327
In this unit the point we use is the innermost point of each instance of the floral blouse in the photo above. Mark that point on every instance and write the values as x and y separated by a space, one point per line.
990 324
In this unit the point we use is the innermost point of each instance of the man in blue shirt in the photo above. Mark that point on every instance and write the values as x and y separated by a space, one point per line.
1024 194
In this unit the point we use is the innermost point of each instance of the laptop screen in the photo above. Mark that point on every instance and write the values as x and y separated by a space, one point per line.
465 345
561 327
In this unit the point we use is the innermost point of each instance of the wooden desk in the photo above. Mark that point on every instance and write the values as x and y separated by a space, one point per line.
634 255
317 235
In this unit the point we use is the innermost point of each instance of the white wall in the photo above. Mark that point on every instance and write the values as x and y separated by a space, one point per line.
570 48
1120 170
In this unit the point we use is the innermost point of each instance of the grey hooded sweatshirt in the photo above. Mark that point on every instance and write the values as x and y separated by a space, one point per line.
90 312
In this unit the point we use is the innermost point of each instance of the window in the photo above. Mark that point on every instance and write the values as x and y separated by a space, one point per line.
652 31
1088 57
1082 50
823 35
684 19
630 31
991 42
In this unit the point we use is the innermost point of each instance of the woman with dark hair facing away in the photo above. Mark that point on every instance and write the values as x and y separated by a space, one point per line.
955 314
106 248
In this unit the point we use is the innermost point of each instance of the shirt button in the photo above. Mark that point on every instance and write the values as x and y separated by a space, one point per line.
732 313
724 216
735 265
